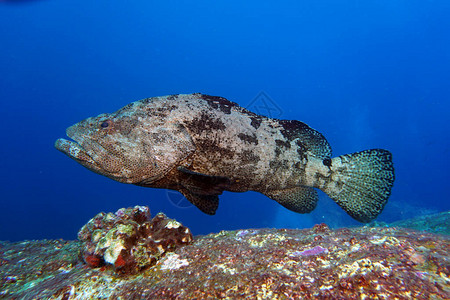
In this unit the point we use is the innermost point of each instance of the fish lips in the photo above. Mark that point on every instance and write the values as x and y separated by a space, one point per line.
74 150
86 152
78 153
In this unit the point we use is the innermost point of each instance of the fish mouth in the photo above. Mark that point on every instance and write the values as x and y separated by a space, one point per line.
84 151
75 151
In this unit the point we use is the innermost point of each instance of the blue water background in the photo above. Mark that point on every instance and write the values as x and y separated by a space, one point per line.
367 74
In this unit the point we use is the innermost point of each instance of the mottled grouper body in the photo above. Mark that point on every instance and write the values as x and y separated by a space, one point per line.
203 145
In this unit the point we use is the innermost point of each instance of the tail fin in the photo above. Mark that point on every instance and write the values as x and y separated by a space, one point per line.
361 182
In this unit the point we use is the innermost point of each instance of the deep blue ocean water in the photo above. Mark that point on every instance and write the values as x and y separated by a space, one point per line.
366 74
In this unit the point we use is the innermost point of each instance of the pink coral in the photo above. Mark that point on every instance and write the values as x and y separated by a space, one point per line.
313 251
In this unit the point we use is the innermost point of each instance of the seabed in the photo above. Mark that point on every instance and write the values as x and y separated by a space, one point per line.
385 262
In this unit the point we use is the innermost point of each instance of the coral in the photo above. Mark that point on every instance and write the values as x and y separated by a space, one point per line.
313 251
129 240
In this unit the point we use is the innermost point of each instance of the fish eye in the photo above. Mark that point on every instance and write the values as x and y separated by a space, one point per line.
327 162
105 124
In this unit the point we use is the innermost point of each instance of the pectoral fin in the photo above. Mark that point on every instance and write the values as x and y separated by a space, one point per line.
203 184
300 199
202 190
206 203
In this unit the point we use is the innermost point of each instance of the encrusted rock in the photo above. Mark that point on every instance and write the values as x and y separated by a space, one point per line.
129 240
346 263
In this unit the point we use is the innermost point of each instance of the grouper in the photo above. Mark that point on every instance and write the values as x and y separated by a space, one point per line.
203 145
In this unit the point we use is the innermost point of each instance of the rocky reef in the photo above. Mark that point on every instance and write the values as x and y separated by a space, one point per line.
435 223
317 263
129 240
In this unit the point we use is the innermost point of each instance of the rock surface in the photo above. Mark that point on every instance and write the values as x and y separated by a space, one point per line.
348 263
436 223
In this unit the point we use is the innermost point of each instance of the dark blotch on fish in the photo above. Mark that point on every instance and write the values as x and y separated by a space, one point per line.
252 139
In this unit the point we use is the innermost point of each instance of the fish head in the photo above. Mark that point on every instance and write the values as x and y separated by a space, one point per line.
126 146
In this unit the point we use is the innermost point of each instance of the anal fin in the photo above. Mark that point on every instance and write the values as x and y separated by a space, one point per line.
301 199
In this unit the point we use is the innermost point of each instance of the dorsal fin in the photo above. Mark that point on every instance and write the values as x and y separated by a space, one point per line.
310 138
